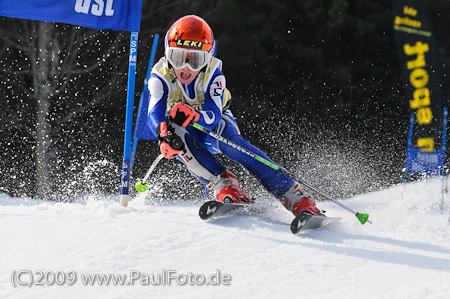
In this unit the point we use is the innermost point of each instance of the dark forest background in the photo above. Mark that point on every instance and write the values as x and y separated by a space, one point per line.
315 84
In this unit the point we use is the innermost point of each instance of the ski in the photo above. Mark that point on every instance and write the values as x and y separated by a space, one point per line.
307 221
214 209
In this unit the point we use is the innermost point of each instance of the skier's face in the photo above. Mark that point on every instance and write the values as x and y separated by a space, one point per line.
185 75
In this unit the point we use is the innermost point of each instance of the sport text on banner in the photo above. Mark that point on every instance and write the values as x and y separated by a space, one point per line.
418 54
98 14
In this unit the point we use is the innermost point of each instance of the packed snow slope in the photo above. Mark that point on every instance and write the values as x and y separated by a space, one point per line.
405 253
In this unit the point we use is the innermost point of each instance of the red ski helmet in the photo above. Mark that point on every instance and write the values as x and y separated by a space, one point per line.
189 42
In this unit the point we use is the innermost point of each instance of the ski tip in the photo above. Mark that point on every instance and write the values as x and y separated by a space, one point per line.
297 224
209 209
140 187
363 218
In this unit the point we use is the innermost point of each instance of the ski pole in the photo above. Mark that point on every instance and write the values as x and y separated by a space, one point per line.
363 218
140 185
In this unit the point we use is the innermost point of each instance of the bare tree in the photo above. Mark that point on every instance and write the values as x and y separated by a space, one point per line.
42 60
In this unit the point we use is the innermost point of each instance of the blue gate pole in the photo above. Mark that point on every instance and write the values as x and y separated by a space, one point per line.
408 146
124 191
149 69
152 56
444 148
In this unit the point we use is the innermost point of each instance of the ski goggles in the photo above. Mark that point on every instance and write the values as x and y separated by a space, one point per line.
193 59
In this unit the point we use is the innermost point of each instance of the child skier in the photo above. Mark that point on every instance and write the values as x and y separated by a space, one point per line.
187 85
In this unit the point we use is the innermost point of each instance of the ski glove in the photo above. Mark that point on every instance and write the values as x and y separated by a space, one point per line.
182 114
170 144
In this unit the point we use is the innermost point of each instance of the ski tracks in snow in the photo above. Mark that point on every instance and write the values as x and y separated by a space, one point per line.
405 253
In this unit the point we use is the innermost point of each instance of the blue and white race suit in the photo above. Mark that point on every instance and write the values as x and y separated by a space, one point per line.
208 95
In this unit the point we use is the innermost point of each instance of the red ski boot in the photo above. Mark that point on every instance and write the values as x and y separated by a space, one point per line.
227 189
296 201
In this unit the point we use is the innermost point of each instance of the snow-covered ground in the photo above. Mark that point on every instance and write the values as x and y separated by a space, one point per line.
405 253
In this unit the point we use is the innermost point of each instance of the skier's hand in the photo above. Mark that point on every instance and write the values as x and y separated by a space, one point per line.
182 114
170 144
